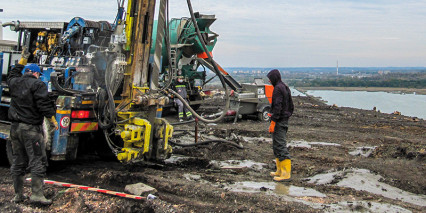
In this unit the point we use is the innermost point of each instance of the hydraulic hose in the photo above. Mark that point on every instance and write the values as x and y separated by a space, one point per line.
207 142
216 70
54 80
109 109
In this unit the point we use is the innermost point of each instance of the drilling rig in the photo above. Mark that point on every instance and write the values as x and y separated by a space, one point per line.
111 81
100 77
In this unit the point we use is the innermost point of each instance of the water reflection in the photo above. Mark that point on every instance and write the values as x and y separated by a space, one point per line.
407 104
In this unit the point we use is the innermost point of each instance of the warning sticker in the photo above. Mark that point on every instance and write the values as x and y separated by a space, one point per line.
65 121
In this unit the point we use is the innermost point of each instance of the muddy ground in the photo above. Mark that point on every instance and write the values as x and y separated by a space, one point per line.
197 180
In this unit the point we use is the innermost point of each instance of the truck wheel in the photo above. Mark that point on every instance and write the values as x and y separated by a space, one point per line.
102 149
263 115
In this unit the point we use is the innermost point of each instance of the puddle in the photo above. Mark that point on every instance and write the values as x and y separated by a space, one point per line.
192 177
175 159
238 164
306 144
307 196
299 144
364 180
256 139
365 151
275 188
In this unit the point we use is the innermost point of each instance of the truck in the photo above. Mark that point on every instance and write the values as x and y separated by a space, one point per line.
111 81
101 79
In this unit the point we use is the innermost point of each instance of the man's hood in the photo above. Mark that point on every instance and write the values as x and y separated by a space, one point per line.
274 76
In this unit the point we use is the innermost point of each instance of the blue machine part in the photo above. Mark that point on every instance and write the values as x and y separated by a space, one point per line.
60 138
46 75
76 21
118 18
1 88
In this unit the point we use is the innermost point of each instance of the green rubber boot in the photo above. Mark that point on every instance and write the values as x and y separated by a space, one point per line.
18 185
37 192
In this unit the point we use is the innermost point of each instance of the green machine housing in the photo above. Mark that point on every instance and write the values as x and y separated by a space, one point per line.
185 50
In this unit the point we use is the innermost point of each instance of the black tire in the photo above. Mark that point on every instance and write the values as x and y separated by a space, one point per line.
102 149
263 115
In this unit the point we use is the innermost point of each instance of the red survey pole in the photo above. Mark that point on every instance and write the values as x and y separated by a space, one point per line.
120 194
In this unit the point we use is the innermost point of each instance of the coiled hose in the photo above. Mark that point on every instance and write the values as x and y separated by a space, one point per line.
216 70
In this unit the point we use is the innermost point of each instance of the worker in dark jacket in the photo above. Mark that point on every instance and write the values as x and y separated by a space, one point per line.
29 105
282 108
180 88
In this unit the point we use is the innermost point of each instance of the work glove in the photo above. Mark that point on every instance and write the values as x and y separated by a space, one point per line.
24 56
54 122
272 127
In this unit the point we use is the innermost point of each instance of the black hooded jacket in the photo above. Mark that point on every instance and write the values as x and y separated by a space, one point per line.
282 104
30 99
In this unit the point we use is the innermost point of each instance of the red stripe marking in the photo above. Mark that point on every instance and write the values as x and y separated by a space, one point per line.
84 128
92 189
81 127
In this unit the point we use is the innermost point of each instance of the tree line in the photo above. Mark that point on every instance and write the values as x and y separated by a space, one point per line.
362 82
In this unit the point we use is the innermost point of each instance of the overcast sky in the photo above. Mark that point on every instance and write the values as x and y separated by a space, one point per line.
278 33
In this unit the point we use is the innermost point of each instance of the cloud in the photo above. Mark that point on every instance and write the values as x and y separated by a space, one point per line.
281 32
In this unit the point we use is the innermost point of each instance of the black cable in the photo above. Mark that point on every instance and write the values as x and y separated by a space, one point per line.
103 123
207 142
54 80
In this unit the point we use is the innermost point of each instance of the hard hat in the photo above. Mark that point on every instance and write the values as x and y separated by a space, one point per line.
32 68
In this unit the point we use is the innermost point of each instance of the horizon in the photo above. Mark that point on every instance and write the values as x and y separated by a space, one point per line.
329 67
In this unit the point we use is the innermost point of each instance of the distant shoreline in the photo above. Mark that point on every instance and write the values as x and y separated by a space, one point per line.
369 89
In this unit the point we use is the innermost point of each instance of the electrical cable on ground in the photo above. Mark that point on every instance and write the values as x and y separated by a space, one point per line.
207 142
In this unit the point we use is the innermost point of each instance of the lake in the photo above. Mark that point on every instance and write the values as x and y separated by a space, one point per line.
408 104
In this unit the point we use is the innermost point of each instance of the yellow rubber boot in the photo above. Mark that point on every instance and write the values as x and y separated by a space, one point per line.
285 167
277 173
